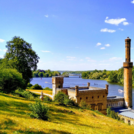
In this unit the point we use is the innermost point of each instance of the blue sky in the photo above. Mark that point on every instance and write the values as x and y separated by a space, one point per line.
70 34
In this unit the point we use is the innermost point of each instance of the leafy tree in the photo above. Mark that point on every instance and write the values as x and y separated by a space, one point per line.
36 86
21 57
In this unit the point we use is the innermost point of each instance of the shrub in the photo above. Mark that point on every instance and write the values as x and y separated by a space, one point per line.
39 110
29 85
10 80
36 86
70 102
83 104
60 98
47 99
47 88
112 114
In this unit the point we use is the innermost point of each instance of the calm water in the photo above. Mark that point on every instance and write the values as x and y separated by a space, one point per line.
72 81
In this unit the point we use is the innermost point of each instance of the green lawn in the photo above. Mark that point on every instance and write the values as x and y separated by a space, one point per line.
15 119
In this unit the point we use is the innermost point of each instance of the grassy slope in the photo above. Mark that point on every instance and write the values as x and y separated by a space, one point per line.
14 118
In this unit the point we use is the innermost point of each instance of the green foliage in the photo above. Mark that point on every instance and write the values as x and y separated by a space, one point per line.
47 99
116 76
63 99
47 88
10 80
25 94
112 114
29 85
39 110
83 104
60 97
45 73
36 86
21 57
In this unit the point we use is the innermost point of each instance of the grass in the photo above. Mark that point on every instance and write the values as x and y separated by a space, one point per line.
15 119
39 91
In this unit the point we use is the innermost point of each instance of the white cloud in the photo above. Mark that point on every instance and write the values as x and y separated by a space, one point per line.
107 45
81 59
46 15
125 23
45 51
115 58
106 17
90 60
1 40
132 48
121 29
70 58
132 2
115 21
98 44
108 30
102 48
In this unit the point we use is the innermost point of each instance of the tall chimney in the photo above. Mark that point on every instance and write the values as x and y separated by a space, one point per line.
128 65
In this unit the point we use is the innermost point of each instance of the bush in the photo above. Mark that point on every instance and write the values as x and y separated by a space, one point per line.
25 94
29 85
60 98
112 114
36 86
39 110
70 102
83 104
47 88
10 80
47 99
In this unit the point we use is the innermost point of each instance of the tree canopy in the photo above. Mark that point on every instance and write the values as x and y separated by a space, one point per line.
21 57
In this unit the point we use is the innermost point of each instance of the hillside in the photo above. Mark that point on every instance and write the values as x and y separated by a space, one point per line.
14 118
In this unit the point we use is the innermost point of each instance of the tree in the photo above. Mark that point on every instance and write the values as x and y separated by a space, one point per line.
21 57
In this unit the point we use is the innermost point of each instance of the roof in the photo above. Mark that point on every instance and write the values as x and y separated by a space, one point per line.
114 97
125 112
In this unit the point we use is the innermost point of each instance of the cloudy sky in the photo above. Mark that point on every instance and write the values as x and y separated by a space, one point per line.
70 34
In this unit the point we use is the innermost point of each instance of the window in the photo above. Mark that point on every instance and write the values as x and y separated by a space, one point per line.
92 97
86 98
80 98
98 96
103 96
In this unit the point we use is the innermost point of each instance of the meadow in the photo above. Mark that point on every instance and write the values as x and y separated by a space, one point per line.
15 119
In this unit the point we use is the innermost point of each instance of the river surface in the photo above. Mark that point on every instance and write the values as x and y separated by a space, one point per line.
73 81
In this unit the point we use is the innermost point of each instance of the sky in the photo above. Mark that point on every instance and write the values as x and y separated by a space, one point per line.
70 34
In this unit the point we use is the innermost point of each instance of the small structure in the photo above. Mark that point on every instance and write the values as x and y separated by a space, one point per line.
41 96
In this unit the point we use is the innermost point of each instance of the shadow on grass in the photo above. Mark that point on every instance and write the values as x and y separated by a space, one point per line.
14 107
59 116
6 125
53 131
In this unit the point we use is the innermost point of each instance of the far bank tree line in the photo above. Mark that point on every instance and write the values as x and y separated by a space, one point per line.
116 76
45 73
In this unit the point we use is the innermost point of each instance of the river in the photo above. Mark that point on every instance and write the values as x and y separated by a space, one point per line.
72 81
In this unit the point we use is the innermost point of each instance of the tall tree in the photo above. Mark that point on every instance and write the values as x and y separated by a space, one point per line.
21 57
